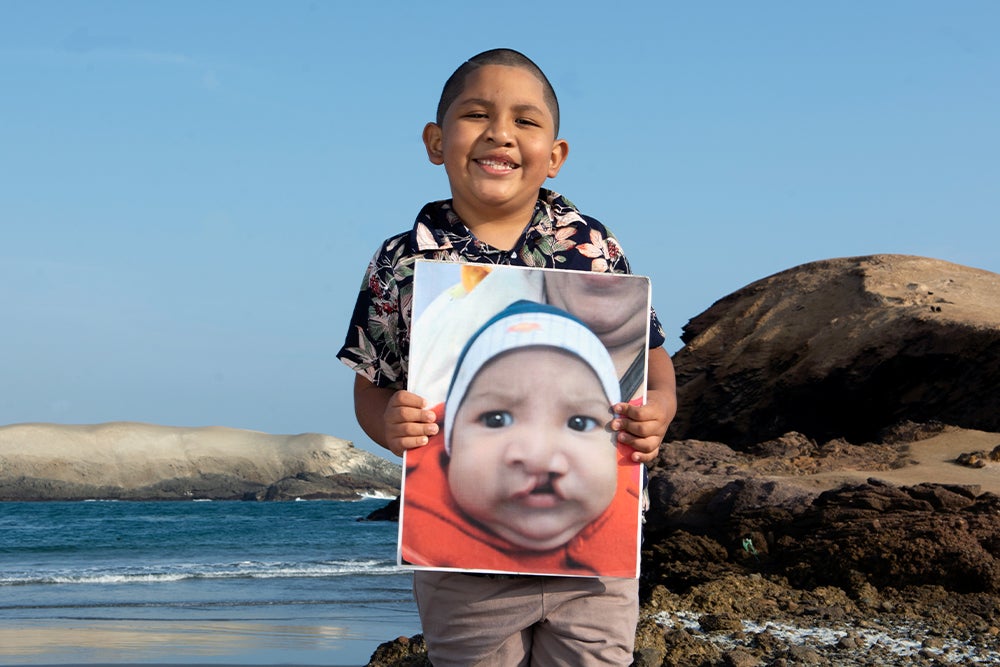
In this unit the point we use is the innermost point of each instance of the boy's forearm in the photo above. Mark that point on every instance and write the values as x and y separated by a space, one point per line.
662 385
370 403
660 376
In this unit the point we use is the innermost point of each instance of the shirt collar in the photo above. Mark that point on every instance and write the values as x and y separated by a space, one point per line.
438 226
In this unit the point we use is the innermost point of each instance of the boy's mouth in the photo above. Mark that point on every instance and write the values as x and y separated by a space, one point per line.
497 164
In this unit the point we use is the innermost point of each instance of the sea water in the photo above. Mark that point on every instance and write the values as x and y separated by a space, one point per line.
199 582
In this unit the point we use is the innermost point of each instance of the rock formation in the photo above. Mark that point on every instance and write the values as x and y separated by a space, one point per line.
843 348
136 461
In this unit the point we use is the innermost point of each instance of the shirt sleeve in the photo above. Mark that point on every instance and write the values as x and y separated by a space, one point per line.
378 336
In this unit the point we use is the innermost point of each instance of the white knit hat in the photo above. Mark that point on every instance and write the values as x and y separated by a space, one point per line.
527 324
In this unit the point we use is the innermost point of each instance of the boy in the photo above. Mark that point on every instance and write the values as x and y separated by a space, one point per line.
523 475
496 135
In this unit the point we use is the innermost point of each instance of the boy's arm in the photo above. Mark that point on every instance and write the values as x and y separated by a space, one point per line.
642 427
394 418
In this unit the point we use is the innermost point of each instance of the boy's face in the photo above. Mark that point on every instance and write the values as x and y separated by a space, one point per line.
530 457
497 144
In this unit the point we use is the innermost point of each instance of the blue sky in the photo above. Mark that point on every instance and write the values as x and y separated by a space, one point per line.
190 191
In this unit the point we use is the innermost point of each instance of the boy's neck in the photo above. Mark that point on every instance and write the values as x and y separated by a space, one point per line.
499 231
500 234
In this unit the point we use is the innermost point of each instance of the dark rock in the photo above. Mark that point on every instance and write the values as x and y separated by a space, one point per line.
843 348
720 623
972 459
740 658
685 650
389 512
313 486
401 652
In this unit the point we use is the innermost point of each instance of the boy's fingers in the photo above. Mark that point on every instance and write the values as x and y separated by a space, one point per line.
630 411
406 399
646 449
638 429
411 429
410 436
416 416
644 457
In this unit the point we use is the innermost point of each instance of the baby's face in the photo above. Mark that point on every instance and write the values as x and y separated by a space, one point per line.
531 458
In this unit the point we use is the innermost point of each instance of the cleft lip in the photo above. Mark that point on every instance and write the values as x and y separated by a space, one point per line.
541 485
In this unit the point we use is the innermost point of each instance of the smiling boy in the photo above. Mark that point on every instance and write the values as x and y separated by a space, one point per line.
497 143
496 134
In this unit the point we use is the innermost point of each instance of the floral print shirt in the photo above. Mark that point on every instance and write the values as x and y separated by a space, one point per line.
558 236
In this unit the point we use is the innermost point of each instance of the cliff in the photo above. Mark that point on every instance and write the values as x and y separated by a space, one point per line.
135 461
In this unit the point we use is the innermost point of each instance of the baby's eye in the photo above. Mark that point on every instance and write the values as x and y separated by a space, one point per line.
582 423
496 419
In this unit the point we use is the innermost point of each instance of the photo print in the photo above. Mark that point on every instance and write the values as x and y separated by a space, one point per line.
522 367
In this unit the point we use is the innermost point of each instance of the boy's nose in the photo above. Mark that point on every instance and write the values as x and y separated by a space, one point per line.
499 132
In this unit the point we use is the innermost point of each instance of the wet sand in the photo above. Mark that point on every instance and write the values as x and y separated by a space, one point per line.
161 642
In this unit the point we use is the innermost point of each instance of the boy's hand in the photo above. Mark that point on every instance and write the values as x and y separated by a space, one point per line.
408 423
395 419
642 427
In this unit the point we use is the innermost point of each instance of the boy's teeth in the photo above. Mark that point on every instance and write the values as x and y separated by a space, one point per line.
497 164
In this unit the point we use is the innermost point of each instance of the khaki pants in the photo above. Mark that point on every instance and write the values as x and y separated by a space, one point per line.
520 621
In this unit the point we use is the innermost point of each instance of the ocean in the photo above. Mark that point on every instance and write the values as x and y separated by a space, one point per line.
251 583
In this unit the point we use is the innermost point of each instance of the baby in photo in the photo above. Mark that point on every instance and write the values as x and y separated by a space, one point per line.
530 468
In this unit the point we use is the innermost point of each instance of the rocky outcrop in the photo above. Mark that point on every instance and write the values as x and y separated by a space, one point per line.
133 461
873 533
843 348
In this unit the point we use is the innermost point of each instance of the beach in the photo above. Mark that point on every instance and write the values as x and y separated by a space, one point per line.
296 583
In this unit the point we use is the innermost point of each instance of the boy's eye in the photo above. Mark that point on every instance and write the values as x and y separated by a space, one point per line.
496 419
526 121
582 423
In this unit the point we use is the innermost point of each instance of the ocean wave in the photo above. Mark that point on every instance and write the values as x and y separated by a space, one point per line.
182 572
378 496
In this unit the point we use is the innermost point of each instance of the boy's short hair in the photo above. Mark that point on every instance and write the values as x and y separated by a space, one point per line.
455 84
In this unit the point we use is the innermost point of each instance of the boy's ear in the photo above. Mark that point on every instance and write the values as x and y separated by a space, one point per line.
560 150
432 142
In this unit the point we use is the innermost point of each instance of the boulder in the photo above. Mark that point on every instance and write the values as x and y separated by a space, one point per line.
843 348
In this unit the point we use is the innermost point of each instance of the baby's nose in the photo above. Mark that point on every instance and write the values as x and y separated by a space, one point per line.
539 456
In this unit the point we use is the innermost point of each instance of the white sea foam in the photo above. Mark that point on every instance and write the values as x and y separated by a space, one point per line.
378 495
180 572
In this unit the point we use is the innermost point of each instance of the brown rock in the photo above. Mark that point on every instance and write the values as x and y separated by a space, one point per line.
720 623
896 537
401 652
843 348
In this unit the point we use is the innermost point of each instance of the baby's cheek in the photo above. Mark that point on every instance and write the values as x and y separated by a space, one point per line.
470 485
600 469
